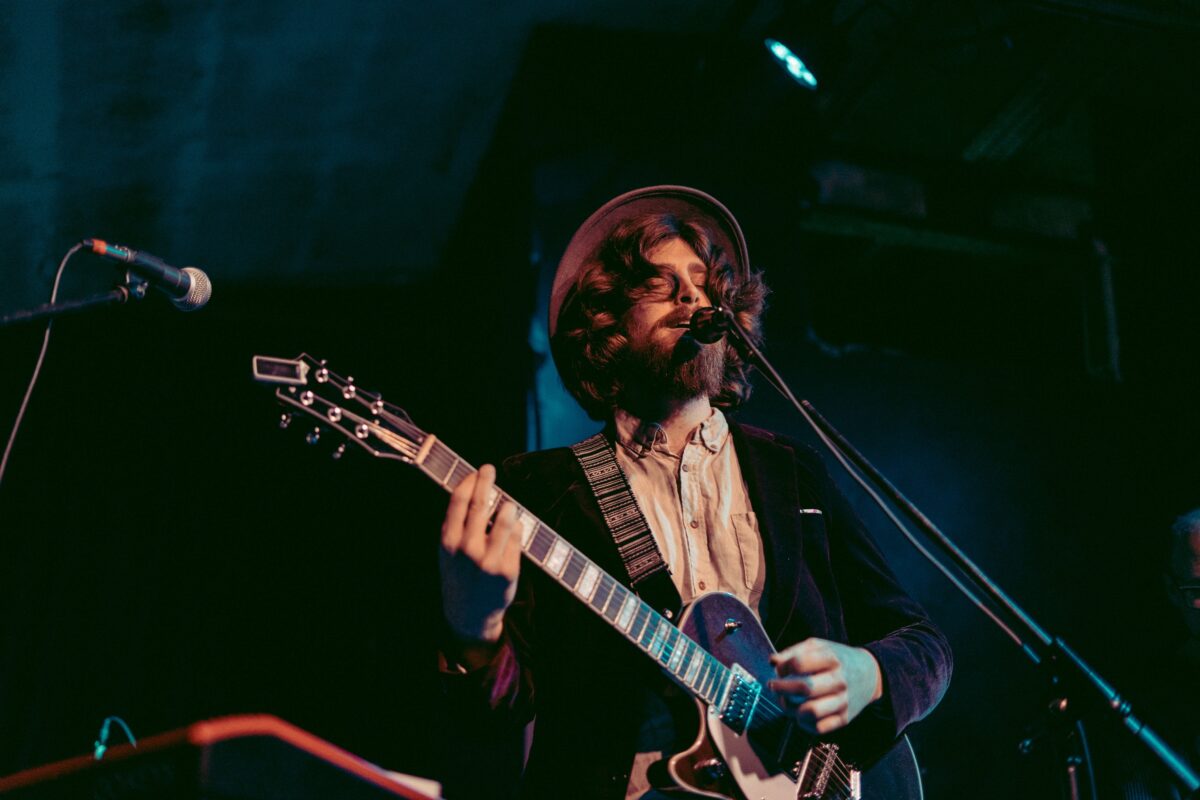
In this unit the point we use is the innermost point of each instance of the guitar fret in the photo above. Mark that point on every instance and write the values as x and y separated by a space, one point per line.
529 525
707 674
614 605
678 648
461 470
639 621
449 481
439 462
716 680
587 583
658 639
574 569
543 540
626 614
694 662
602 593
558 557
649 631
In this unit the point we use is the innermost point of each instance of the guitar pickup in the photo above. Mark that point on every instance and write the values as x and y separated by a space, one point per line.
741 698
289 371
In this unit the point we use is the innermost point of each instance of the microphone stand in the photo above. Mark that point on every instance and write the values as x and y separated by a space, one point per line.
131 287
1070 677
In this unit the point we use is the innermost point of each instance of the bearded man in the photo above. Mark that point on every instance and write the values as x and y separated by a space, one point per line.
730 508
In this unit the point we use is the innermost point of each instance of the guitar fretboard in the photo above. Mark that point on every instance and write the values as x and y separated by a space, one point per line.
688 663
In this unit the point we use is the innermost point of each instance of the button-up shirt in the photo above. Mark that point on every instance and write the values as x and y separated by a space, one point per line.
698 508
696 505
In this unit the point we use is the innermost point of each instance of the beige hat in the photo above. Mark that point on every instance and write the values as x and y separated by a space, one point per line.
680 201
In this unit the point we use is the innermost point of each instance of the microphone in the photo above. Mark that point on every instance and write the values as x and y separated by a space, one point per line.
709 324
188 288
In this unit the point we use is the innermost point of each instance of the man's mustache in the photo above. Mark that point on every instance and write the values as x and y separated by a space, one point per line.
679 320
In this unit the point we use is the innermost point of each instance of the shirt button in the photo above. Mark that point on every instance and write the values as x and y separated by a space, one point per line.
685 467
694 524
702 586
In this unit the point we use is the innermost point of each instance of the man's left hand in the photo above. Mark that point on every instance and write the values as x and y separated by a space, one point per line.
827 684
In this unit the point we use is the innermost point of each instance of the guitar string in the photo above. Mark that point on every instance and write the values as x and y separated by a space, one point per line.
772 711
838 770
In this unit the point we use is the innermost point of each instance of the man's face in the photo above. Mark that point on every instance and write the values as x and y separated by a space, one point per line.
661 357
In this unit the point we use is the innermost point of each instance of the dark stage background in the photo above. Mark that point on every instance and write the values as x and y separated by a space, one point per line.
389 186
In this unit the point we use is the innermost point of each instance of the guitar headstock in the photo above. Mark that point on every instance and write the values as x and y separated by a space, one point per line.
307 386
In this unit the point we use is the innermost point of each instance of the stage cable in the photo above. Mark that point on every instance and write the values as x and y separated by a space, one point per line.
12 436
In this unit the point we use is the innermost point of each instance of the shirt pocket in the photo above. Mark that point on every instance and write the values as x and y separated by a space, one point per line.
750 549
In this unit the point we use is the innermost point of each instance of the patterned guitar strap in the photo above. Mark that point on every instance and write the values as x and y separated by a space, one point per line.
646 572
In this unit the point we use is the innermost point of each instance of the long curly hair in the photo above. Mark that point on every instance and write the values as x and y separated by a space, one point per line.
590 339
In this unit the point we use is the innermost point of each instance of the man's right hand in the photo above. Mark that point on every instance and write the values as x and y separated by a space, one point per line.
480 560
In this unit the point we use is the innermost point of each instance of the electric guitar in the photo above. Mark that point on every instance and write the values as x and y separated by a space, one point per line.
749 747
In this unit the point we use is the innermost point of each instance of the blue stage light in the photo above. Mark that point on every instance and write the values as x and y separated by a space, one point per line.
792 63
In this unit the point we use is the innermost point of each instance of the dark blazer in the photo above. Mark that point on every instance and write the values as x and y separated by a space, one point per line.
825 578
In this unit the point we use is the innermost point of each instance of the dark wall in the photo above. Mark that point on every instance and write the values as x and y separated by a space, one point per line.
169 554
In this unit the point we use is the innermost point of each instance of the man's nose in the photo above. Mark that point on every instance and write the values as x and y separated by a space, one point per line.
689 293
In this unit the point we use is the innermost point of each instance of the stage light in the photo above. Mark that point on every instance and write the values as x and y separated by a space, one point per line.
792 63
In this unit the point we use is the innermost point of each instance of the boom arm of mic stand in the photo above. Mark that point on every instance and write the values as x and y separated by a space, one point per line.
1047 652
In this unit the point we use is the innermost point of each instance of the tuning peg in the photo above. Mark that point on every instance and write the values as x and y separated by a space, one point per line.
339 452
285 419
349 390
322 374
334 413
377 407
313 436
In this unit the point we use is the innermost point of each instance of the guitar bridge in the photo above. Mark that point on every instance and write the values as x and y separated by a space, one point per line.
819 767
741 698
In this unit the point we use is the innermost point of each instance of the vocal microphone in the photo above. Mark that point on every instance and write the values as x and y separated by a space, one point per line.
188 288
708 324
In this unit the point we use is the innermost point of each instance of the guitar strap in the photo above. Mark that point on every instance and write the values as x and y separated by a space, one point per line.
647 573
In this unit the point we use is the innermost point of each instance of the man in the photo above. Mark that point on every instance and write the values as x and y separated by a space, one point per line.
1184 576
731 509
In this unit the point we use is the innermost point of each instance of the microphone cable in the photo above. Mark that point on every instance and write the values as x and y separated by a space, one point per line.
12 436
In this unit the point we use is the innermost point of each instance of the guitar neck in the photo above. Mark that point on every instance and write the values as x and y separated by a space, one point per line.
689 664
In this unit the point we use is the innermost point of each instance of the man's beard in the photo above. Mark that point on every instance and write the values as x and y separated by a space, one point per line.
654 371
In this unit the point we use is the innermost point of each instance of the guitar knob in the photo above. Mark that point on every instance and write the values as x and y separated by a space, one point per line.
711 769
285 420
339 452
313 436
732 625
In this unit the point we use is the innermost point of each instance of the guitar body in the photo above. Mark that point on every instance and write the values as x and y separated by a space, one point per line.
722 763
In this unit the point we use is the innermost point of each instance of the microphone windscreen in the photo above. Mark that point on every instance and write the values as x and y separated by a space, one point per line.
708 325
198 293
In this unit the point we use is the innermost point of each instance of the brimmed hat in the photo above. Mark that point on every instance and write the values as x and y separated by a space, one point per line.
679 201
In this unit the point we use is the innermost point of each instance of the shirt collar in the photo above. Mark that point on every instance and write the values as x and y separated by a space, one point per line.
640 437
